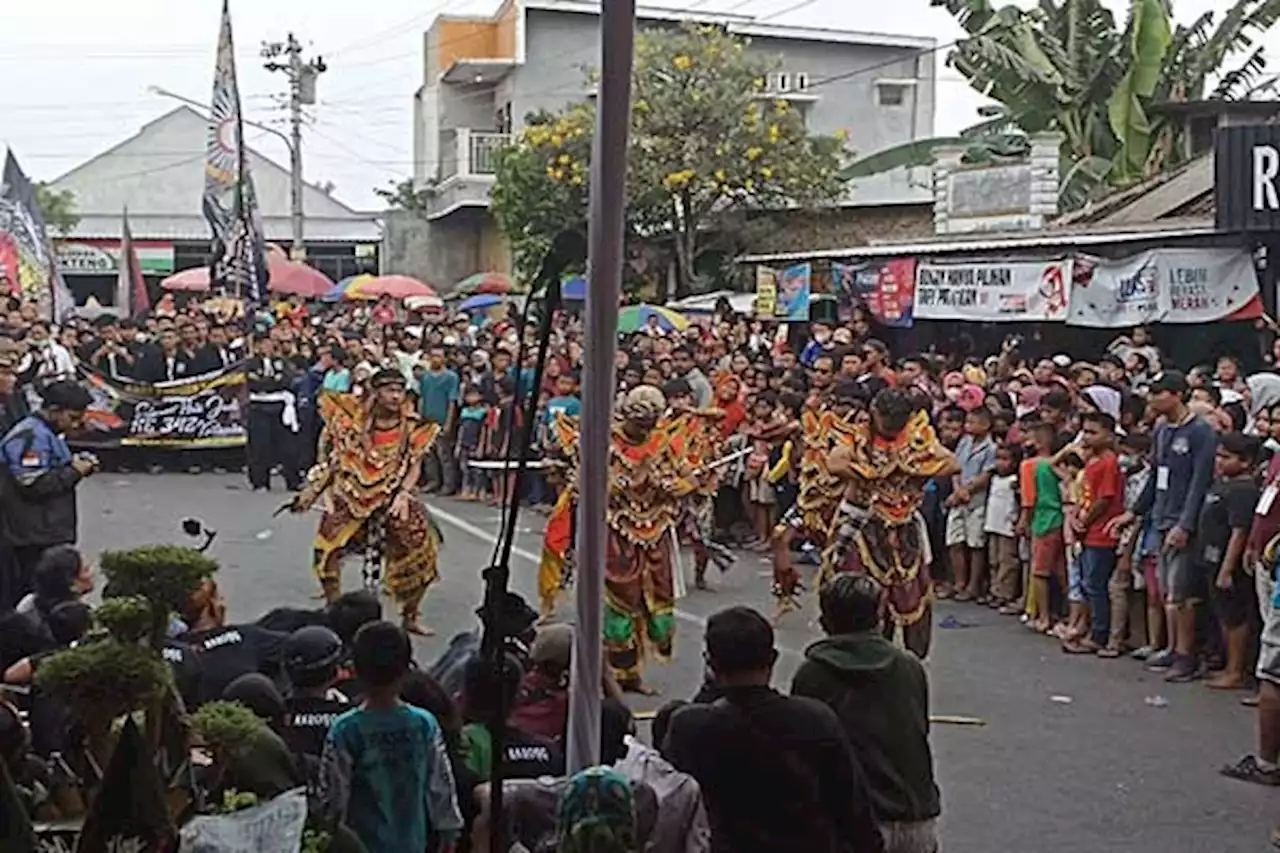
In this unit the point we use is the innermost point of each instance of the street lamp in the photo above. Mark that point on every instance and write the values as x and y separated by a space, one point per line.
294 160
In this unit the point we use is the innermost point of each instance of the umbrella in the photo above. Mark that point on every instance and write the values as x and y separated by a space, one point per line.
297 279
480 300
484 282
424 303
194 280
633 318
395 286
340 289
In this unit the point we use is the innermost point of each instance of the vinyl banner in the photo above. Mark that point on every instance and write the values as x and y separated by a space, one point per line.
794 289
1165 286
1000 291
885 288
203 412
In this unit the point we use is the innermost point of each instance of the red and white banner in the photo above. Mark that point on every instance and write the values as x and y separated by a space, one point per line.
999 291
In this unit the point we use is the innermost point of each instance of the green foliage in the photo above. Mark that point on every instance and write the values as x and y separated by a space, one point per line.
707 143
103 680
405 195
127 619
165 575
236 801
315 840
225 727
58 207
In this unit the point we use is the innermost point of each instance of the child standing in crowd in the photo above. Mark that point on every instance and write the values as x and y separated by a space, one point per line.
386 766
966 519
1000 527
1101 500
1042 519
471 429
1221 535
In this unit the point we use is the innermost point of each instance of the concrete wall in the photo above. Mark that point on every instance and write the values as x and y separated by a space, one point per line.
444 251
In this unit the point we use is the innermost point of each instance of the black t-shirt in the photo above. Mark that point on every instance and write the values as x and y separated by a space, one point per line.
185 666
289 619
307 721
231 651
1229 504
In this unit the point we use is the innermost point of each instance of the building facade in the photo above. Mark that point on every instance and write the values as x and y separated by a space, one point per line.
158 174
483 75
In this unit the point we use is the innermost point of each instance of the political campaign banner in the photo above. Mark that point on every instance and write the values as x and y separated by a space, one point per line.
885 288
1164 286
766 291
201 412
795 286
993 291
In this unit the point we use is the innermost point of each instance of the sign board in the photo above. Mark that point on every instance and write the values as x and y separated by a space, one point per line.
766 291
999 291
1164 286
1246 182
885 288
103 257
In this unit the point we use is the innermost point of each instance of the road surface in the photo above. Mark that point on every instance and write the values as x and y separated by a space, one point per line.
1101 772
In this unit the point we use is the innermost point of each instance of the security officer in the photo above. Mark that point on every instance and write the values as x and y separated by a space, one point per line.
38 485
273 427
311 658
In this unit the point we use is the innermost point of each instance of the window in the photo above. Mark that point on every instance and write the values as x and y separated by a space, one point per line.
782 82
802 81
891 94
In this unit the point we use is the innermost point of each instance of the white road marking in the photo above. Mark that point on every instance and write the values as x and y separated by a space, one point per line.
480 533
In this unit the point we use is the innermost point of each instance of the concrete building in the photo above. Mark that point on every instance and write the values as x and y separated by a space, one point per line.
158 173
483 75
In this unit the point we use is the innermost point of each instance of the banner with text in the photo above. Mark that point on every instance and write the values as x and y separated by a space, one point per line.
795 286
189 414
1165 286
766 292
993 291
885 288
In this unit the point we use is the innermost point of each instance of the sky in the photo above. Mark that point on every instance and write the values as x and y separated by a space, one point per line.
77 72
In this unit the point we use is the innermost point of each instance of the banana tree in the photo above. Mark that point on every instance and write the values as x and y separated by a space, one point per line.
1066 66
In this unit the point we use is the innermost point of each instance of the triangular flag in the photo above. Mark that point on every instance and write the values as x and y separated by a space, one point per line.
129 811
131 288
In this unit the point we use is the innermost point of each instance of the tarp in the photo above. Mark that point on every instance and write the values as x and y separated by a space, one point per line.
1165 286
986 291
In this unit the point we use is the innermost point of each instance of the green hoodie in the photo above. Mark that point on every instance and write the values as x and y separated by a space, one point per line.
881 695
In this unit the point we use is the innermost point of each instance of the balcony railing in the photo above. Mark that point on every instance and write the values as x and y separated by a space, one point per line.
466 152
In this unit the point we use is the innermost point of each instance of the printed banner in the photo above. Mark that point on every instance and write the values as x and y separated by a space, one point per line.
203 412
274 827
993 291
887 289
766 292
1164 286
794 288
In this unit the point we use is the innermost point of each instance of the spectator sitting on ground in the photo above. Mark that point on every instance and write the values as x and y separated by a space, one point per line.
527 755
682 825
881 695
542 703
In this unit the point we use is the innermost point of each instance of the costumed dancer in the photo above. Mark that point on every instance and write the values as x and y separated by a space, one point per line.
694 435
370 462
878 529
809 519
555 568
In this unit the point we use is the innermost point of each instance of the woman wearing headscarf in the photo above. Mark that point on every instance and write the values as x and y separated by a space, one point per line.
1262 392
597 814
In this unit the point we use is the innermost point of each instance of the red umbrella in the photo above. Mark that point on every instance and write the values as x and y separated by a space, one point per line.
395 286
294 278
194 280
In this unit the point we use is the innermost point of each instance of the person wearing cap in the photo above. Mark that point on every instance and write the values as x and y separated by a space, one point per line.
1185 447
542 702
311 656
368 473
272 423
38 489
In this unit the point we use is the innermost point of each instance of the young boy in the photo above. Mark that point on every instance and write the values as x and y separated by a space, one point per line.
966 539
385 762
1042 518
1102 499
1001 521
1221 535
471 423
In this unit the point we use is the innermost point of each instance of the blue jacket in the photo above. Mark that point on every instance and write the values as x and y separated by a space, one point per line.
37 496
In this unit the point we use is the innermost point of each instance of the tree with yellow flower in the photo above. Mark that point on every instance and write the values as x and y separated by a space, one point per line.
708 143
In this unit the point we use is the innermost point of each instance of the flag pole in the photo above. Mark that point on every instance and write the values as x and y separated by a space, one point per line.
604 283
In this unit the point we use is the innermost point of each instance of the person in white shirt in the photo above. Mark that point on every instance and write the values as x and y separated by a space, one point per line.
1001 520
52 360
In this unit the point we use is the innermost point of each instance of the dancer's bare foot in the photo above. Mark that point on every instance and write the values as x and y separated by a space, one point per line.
639 687
413 626
1226 682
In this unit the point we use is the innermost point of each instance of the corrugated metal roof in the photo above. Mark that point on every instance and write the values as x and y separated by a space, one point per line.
196 229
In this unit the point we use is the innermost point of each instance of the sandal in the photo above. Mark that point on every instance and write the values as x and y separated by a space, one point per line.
1247 769
1109 652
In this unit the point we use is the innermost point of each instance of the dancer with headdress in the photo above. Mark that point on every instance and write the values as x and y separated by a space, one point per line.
370 463
878 530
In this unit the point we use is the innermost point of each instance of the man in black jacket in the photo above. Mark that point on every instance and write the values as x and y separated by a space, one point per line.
38 485
777 772
881 695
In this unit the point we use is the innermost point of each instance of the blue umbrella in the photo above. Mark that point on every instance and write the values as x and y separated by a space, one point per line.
574 289
480 300
335 294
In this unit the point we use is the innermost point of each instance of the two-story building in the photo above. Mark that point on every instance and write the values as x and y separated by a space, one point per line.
483 75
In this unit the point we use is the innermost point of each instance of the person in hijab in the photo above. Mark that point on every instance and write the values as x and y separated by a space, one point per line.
597 814
1262 392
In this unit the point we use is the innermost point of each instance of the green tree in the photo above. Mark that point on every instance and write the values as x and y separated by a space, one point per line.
1068 66
707 145
58 207
407 195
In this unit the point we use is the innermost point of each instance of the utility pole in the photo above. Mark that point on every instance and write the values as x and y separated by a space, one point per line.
286 56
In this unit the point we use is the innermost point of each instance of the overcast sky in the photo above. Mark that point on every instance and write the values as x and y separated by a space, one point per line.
76 72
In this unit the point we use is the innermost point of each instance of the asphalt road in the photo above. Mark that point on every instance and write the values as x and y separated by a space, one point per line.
1102 772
